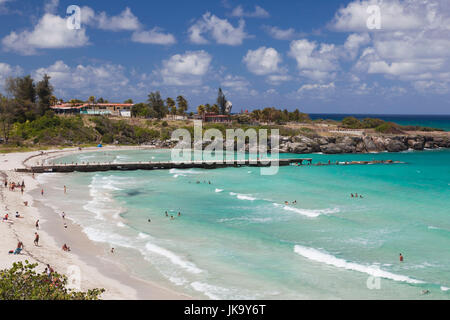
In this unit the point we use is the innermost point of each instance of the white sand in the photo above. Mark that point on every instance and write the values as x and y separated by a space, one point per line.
96 272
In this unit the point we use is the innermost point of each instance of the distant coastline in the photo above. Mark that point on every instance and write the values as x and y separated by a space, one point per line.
435 121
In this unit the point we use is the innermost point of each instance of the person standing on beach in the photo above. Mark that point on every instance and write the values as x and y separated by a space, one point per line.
36 239
65 189
401 257
42 192
37 225
63 215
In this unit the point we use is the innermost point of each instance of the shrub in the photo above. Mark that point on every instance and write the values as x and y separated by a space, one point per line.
351 123
22 282
388 127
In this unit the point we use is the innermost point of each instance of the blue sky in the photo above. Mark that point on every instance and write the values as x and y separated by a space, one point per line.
315 55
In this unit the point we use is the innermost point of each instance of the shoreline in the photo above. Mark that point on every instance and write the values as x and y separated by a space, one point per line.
97 269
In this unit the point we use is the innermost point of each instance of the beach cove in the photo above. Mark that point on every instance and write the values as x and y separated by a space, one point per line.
237 239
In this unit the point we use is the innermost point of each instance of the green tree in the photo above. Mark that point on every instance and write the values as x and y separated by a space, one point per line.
215 109
157 104
91 100
182 105
44 92
201 109
128 101
171 106
22 89
7 117
22 282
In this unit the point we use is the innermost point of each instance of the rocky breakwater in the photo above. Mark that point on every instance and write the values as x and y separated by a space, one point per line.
364 144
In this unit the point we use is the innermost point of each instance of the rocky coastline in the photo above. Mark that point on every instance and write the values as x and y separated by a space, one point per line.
343 144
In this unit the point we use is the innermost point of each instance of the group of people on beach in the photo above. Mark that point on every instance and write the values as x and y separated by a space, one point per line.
356 195
12 186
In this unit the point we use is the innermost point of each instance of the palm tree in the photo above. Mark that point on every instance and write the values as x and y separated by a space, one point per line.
182 105
201 110
172 106
91 100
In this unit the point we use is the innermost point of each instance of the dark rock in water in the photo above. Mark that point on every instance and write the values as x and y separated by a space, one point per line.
298 147
331 148
396 146
370 145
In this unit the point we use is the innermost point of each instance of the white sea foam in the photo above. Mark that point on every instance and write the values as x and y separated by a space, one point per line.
219 190
249 219
102 203
189 266
309 212
444 288
183 171
319 256
242 196
143 236
212 292
110 237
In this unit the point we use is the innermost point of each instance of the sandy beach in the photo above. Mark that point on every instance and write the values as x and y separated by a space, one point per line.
97 266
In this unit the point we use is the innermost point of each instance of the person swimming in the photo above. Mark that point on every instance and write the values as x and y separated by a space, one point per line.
401 257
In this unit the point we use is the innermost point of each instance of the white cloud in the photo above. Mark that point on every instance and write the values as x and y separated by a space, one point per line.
316 86
353 44
51 32
186 69
7 71
418 51
281 34
277 79
236 83
153 36
51 6
314 61
222 31
85 80
125 21
257 13
395 15
263 61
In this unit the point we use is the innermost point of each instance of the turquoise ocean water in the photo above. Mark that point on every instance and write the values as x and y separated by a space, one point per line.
236 239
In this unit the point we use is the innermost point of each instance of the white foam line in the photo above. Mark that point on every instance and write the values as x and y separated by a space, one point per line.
242 196
173 258
307 212
331 260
